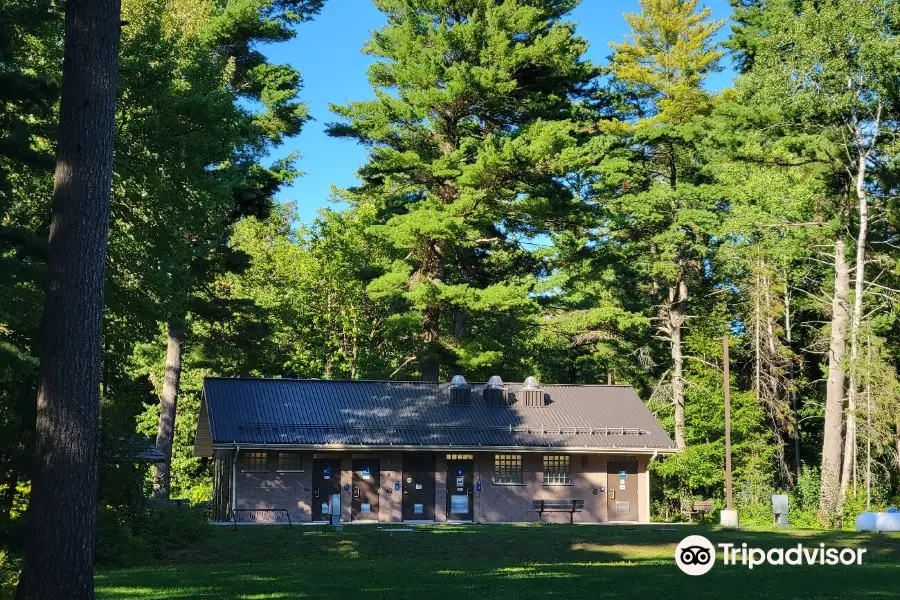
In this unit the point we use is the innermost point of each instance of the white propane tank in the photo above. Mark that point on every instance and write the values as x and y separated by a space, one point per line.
871 521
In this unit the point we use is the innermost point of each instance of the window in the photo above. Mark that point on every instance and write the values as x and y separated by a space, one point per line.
557 470
256 461
290 461
460 457
508 469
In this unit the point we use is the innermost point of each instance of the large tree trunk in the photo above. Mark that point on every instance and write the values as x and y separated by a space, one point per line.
856 320
59 540
168 405
829 491
676 316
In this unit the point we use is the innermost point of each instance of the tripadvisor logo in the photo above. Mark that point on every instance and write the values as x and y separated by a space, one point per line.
696 555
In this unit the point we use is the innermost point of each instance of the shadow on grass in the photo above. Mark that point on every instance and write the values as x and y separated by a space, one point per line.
496 562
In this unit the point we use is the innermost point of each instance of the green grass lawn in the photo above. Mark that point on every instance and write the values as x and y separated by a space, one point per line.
495 562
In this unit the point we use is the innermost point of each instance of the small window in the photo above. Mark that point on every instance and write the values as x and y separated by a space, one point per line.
460 457
256 461
557 470
508 469
290 461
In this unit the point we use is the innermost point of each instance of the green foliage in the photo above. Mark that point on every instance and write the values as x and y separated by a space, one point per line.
132 537
472 128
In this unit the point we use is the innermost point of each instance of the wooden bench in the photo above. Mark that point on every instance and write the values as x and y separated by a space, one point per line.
701 507
569 506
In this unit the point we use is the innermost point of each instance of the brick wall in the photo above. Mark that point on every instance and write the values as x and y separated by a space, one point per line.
494 503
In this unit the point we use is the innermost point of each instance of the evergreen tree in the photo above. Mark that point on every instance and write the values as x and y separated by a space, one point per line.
469 134
661 216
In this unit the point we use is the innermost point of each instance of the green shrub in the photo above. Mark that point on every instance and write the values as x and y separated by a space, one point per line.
131 536
9 575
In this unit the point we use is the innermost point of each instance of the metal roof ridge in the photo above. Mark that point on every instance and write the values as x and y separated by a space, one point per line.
403 381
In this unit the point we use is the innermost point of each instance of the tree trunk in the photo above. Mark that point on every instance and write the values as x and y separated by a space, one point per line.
59 540
676 313
791 375
858 291
168 405
829 491
431 365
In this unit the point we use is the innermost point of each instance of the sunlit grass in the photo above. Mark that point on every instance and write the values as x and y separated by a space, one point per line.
493 562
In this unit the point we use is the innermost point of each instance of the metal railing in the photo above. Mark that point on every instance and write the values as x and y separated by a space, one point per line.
253 516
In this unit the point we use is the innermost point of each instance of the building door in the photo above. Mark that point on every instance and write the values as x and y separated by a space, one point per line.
622 493
366 479
418 487
326 480
460 476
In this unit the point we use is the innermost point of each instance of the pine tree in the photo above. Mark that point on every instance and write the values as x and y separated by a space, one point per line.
661 214
469 136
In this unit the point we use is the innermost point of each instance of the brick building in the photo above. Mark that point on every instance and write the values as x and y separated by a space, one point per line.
414 451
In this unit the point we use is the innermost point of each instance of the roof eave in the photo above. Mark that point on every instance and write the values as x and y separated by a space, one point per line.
446 448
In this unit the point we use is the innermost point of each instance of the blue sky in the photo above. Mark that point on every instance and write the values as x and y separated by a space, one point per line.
327 53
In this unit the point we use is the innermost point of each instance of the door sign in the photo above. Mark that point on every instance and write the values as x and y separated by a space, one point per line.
622 474
459 481
478 486
366 473
409 480
326 472
460 471
396 486
418 486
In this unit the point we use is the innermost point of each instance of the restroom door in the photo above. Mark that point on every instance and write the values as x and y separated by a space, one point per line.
460 477
326 480
366 477
622 493
418 487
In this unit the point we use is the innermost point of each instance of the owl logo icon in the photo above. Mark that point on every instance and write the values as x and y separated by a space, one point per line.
695 555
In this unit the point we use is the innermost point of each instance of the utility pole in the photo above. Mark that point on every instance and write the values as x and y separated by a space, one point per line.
728 516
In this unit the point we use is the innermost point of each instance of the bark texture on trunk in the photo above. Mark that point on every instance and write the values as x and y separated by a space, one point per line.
168 407
59 541
829 491
675 313
849 463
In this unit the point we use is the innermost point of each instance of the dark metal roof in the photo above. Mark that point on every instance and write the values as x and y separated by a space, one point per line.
302 412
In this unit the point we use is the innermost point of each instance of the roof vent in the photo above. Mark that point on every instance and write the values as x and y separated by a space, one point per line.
532 392
495 392
460 392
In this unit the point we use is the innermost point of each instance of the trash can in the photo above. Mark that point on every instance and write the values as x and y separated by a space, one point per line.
780 509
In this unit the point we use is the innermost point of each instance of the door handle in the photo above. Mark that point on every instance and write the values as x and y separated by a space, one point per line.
316 493
356 492
612 495
469 492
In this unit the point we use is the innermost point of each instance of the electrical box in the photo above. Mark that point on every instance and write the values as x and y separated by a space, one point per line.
780 509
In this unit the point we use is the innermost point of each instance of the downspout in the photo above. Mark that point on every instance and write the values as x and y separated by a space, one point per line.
237 450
